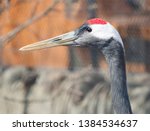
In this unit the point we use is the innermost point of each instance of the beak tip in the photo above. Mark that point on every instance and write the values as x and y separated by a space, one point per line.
21 49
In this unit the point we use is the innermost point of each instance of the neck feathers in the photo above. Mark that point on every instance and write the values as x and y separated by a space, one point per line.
114 54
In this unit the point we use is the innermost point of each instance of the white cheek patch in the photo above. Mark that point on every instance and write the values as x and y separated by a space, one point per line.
105 32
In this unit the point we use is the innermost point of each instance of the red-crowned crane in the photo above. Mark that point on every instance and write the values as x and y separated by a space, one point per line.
101 34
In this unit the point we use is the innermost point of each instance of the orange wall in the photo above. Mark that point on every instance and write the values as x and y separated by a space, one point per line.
53 24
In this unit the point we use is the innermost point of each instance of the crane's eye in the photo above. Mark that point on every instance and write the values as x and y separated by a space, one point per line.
89 29
83 28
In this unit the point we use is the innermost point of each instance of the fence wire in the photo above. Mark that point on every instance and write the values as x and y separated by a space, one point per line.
47 72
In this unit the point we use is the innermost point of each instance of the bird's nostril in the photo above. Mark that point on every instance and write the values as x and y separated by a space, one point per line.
57 39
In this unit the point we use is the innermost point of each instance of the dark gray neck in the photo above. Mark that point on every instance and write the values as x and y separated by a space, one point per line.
114 54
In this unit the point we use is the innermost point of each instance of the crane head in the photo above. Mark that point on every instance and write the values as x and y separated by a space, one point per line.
92 32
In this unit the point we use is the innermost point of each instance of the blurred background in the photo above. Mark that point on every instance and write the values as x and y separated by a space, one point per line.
66 79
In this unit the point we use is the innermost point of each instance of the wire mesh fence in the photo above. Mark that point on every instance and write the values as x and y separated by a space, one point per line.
24 22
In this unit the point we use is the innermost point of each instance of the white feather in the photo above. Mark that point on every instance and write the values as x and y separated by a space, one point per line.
105 32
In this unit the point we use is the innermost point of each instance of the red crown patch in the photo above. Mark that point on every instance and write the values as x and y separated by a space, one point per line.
96 21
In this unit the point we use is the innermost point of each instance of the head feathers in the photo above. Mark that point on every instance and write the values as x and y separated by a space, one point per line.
96 21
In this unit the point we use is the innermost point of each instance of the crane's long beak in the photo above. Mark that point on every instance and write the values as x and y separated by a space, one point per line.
62 40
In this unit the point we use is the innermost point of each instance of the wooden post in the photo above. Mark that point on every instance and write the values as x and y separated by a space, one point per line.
92 13
147 56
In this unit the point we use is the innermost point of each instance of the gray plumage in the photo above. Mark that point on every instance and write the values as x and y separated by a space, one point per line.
114 54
